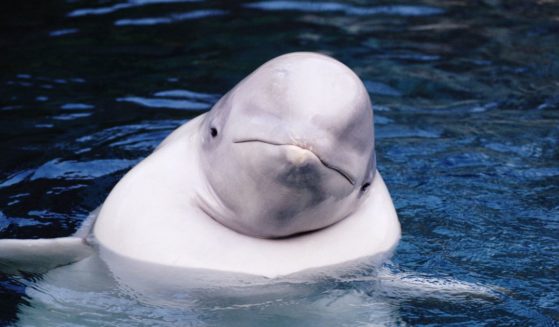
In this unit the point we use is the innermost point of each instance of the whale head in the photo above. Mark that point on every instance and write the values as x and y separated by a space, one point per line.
290 149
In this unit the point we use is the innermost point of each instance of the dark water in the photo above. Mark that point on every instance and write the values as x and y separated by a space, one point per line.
466 98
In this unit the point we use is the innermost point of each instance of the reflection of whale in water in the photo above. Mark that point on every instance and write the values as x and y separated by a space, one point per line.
87 294
279 177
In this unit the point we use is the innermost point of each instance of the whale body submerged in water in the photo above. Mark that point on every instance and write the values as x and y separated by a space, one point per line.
278 177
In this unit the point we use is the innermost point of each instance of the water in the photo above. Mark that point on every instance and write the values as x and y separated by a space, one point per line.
466 98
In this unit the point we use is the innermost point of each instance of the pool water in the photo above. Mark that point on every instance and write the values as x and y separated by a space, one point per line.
466 100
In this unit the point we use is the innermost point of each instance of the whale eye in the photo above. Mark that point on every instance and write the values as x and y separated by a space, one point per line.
213 132
365 187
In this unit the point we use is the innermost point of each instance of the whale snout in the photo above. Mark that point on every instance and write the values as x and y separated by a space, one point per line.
300 157
302 168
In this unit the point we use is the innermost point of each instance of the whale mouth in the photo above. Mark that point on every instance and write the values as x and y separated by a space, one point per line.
325 163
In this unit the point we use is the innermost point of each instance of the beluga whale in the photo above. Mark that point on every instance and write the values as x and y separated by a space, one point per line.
279 177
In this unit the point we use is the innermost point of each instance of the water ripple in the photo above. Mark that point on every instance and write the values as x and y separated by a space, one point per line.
187 94
5 221
381 89
306 6
166 103
170 18
76 170
119 6
77 106
16 178
144 136
174 99
398 131
72 116
62 32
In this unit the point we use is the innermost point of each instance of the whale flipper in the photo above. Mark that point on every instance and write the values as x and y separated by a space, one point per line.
41 255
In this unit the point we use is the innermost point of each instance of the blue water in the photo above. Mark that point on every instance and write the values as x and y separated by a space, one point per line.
466 99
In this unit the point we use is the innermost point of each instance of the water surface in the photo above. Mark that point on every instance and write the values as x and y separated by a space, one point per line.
466 99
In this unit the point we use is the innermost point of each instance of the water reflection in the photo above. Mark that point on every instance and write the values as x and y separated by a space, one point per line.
323 7
62 32
76 170
175 99
173 18
120 6
92 292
